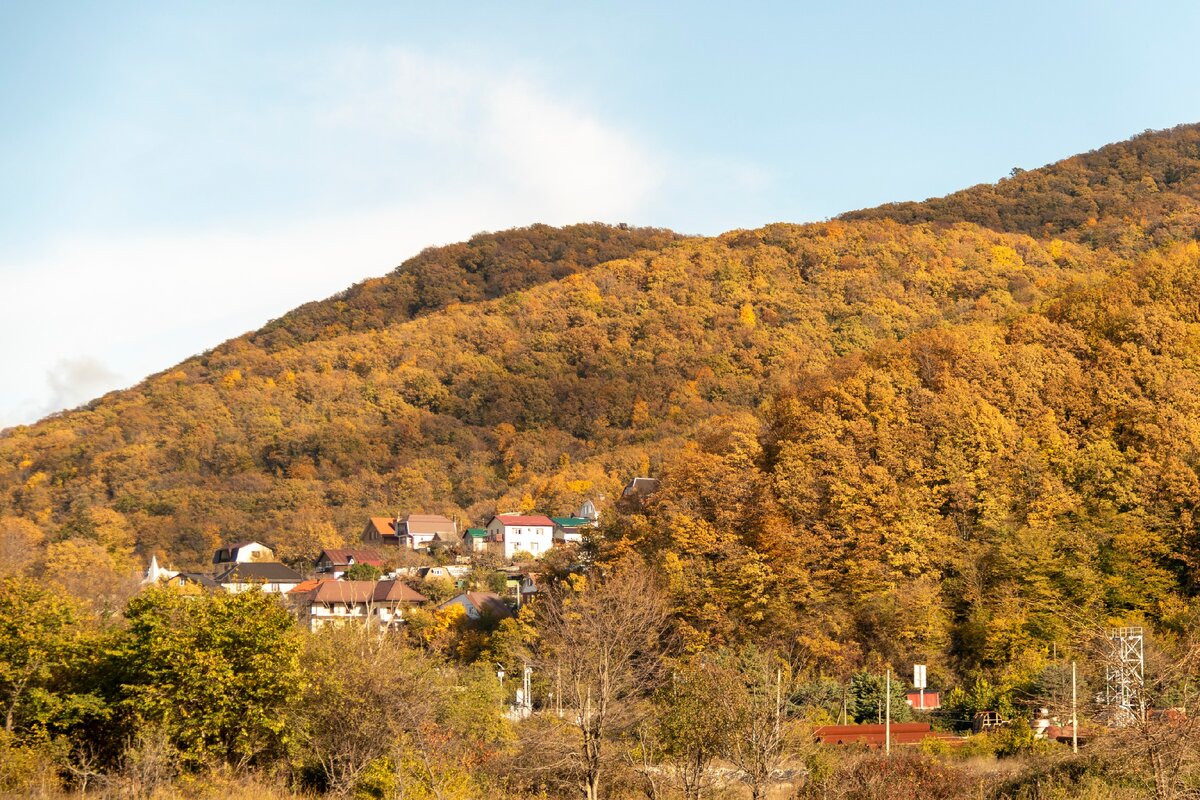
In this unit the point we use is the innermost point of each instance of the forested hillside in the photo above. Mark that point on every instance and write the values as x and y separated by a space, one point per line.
918 432
1127 196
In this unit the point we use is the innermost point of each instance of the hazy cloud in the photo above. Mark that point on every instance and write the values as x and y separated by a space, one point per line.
74 381
424 151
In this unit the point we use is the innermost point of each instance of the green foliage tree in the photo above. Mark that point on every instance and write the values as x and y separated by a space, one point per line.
868 694
362 572
692 727
38 642
217 672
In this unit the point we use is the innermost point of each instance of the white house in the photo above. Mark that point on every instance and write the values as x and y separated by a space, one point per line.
330 602
417 531
242 553
515 533
270 576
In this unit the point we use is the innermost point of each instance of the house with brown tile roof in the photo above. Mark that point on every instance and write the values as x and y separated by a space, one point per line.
417 531
414 531
330 602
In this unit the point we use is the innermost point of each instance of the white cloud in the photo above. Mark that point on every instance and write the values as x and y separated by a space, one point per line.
76 380
485 151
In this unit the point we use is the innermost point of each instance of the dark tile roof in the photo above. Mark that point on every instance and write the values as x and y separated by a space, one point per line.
265 571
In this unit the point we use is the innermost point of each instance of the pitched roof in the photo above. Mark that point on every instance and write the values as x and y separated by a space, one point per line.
640 486
344 592
477 533
199 578
365 592
303 587
427 523
398 591
571 522
253 571
382 525
488 603
529 521
340 556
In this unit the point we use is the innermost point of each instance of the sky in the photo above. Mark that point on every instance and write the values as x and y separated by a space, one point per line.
176 174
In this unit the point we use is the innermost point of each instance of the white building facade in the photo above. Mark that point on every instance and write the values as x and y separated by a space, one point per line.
516 533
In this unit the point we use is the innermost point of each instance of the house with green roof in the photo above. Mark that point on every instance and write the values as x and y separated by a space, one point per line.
475 540
570 529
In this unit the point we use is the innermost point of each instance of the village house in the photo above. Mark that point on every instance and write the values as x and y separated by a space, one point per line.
413 532
517 533
334 562
569 530
380 530
417 531
201 580
269 576
454 572
479 605
474 540
242 553
331 602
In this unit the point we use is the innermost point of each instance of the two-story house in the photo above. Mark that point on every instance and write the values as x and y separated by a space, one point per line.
329 602
517 533
414 532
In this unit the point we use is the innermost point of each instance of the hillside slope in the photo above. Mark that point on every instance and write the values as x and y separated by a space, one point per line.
556 393
1128 196
925 431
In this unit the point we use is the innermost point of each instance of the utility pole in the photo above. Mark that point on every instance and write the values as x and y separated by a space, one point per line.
1074 715
558 688
778 699
887 726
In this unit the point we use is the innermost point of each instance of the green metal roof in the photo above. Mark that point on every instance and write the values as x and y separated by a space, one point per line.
571 522
478 533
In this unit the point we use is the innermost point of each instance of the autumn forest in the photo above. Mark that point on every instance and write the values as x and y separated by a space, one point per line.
961 432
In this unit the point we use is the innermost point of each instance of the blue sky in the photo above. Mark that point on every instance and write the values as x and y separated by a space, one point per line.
175 174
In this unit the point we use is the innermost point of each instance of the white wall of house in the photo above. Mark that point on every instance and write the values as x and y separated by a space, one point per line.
318 615
267 588
533 539
254 552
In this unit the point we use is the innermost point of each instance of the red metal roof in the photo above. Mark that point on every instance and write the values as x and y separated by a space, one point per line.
512 520
340 556
876 735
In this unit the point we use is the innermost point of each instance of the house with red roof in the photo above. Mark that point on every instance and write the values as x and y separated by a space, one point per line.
334 562
520 533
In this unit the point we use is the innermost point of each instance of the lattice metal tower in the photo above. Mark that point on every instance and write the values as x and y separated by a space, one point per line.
1126 674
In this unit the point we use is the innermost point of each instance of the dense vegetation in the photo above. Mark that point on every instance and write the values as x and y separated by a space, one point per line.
964 432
